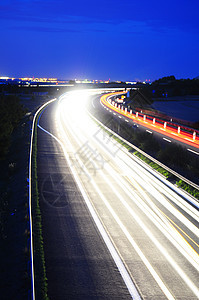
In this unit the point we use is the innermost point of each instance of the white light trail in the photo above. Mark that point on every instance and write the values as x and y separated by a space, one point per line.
160 221
121 267
152 212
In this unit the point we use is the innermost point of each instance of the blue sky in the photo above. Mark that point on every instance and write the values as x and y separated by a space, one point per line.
120 40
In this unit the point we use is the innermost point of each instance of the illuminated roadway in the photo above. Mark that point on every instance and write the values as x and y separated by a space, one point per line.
170 132
150 232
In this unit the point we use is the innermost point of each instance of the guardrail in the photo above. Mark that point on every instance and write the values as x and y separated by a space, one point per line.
176 131
148 156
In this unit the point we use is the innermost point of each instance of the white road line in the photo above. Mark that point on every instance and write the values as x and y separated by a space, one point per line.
189 140
121 267
179 271
128 235
134 244
149 131
126 121
155 193
172 188
30 199
167 140
193 151
158 245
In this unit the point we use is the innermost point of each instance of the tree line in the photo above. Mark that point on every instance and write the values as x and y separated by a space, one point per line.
170 86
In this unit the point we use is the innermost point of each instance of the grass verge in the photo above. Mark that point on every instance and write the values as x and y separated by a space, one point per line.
188 188
154 165
41 287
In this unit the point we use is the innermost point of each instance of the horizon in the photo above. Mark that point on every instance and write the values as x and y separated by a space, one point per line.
88 79
125 41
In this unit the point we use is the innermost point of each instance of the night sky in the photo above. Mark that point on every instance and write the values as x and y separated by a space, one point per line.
116 39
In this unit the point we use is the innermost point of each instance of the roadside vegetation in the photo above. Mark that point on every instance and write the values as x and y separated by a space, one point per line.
15 131
11 112
188 188
14 218
41 286
154 165
169 86
164 89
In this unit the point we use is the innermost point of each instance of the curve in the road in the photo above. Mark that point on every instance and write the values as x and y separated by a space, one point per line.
185 137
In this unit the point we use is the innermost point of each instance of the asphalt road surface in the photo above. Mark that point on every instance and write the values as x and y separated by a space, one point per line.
138 123
111 229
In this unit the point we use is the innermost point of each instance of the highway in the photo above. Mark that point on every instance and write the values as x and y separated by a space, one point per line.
149 231
168 131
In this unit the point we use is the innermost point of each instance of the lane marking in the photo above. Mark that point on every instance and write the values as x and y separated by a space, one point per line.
104 99
193 151
179 271
120 265
30 198
197 245
167 140
149 131
118 261
152 212
190 247
180 229
189 140
178 193
93 103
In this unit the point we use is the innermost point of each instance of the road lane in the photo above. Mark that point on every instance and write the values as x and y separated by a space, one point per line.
157 239
183 138
78 263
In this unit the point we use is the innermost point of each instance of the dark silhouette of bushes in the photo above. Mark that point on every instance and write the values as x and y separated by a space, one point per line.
11 112
170 86
189 189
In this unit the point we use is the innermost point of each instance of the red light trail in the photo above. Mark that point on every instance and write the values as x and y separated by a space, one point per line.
185 135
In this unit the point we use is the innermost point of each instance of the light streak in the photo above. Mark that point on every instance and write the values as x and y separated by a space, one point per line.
121 267
122 184
131 240
167 230
169 131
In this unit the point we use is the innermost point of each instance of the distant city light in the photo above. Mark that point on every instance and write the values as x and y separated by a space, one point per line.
52 80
